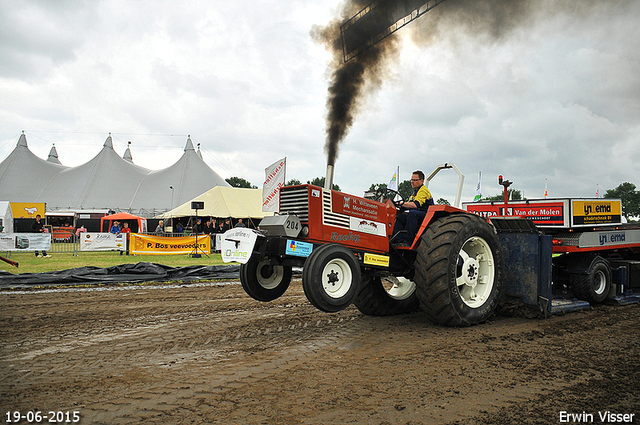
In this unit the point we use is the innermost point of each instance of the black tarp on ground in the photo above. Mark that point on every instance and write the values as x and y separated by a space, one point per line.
125 273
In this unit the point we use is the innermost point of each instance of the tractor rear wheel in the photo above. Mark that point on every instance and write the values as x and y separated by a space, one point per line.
459 267
331 277
386 296
263 281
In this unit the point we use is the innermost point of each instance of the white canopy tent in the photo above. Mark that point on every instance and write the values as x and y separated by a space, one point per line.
23 176
107 181
176 184
223 202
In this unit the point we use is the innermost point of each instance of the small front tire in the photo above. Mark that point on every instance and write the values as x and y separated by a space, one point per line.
263 281
331 278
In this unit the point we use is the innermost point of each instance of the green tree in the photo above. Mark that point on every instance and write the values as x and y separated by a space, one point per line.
405 189
319 181
240 182
293 182
377 186
443 201
374 190
629 196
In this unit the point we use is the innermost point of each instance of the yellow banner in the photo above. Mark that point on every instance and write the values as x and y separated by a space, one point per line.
163 245
27 209
599 211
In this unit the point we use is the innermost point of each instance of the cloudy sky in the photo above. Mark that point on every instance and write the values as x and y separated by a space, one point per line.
548 92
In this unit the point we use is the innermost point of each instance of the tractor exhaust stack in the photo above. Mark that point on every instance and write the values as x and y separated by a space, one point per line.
328 181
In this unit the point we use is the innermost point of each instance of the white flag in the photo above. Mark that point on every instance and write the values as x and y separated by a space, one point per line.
274 179
393 184
479 188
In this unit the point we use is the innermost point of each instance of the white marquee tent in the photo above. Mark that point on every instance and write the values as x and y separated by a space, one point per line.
223 202
107 181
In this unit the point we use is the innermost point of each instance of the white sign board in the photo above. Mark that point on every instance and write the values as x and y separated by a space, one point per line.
103 242
25 242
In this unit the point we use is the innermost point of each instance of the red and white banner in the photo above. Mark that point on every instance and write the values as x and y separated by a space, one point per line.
273 181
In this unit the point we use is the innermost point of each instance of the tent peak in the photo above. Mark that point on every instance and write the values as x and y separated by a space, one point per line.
189 145
22 141
109 142
53 155
127 154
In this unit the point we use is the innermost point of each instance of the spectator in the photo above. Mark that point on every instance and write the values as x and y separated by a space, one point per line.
240 223
160 228
207 228
197 229
81 229
38 227
126 230
115 228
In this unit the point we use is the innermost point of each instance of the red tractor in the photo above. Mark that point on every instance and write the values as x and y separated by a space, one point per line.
342 243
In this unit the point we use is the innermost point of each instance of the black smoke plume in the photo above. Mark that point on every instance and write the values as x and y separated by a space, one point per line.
350 81
481 20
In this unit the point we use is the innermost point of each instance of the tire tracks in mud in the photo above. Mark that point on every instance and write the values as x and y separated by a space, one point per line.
213 355
231 341
210 385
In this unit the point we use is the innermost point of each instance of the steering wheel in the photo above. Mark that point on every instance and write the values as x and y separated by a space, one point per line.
391 194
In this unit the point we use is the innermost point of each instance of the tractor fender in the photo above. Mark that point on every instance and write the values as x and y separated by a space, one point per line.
433 213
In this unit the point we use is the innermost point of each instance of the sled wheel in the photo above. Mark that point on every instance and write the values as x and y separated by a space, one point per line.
459 270
263 281
331 277
386 296
595 285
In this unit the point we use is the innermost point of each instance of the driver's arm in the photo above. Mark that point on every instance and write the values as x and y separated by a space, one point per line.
420 199
410 205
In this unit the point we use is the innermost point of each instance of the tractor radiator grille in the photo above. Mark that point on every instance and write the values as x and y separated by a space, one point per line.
329 217
295 201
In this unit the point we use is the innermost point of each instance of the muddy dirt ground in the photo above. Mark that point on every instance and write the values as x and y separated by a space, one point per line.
208 354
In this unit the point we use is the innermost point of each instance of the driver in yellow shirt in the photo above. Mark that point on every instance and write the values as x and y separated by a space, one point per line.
407 223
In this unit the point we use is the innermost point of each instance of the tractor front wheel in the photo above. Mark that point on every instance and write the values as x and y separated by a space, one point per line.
263 281
331 277
459 270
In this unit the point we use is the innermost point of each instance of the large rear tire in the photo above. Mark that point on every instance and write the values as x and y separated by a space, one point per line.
263 281
331 277
386 296
459 267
